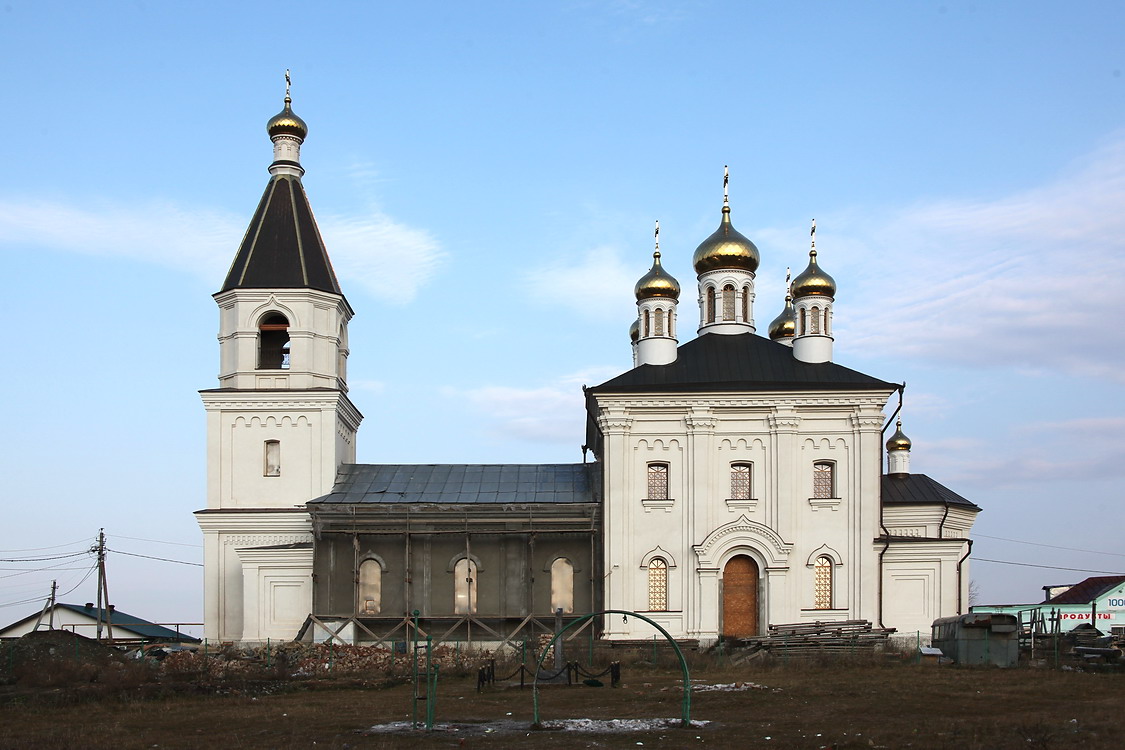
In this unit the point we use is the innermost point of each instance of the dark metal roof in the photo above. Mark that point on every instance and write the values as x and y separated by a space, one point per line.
465 483
715 362
132 623
919 489
1087 591
282 248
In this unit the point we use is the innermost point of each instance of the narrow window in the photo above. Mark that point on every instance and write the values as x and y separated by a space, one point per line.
647 333
826 317
465 587
273 459
745 304
824 481
658 585
370 587
815 319
671 327
802 321
710 304
822 583
562 586
740 481
659 322
728 302
273 342
658 481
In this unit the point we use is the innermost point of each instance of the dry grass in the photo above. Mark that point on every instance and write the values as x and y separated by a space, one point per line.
830 703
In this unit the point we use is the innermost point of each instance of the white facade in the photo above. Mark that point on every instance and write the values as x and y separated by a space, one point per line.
728 504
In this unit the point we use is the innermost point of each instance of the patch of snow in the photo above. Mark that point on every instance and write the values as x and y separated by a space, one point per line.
616 725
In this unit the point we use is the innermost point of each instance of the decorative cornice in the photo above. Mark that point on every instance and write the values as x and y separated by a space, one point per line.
700 422
745 532
614 423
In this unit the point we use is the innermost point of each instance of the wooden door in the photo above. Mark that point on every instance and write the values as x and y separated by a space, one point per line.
740 597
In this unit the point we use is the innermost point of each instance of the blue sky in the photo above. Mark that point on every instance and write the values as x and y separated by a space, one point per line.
486 176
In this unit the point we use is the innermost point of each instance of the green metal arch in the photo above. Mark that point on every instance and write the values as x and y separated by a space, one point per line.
685 706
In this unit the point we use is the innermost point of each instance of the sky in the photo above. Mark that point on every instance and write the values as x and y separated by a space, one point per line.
486 176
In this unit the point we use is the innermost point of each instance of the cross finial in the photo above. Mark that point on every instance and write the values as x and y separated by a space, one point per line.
726 182
288 83
656 235
812 235
788 283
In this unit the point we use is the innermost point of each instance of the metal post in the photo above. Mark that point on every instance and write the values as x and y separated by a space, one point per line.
559 660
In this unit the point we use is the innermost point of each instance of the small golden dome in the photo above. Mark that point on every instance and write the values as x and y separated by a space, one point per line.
725 248
635 331
286 122
657 282
898 441
813 281
784 326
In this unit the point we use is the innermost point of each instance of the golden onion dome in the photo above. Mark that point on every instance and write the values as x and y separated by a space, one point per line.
657 282
813 281
898 441
635 331
784 326
725 248
286 122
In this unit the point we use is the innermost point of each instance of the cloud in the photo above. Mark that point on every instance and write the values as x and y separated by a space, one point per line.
389 259
596 285
550 413
1023 281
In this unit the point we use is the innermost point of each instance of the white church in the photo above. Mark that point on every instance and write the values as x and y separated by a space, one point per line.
734 480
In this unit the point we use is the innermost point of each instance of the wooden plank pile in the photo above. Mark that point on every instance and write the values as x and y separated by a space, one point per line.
840 637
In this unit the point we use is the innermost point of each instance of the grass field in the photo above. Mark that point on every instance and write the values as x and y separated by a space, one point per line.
799 704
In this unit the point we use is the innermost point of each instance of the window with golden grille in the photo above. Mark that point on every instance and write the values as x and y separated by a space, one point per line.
658 481
822 583
824 480
658 585
741 476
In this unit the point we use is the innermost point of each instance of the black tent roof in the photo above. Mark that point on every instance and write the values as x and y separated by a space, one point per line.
282 248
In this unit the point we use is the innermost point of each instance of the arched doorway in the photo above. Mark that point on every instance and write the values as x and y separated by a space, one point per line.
740 597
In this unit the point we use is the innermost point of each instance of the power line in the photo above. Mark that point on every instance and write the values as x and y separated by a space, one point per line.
44 558
157 541
1052 546
162 559
1050 567
39 549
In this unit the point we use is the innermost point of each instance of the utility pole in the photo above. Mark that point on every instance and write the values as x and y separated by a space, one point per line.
103 590
48 609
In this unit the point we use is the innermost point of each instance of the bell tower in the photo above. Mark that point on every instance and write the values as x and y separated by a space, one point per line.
280 423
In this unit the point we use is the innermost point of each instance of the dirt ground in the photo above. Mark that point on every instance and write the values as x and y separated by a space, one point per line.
827 704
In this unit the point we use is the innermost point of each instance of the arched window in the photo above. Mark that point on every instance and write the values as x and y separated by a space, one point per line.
273 459
827 315
465 587
273 342
671 325
802 321
728 302
740 478
562 586
658 481
659 322
658 585
647 332
822 583
824 480
815 319
745 304
370 587
710 304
